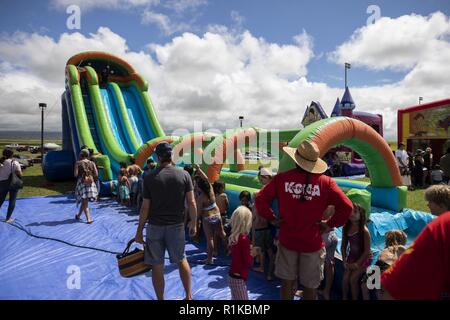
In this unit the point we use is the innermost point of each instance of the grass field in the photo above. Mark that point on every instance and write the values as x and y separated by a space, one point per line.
36 185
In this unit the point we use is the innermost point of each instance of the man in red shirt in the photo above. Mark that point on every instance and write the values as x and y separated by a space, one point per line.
303 195
423 271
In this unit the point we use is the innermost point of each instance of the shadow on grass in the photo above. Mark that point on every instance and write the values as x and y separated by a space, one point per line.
37 185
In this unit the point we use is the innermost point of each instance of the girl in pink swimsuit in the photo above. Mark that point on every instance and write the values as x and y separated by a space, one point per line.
355 249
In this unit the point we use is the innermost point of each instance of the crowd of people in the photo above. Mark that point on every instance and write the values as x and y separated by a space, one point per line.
420 170
299 249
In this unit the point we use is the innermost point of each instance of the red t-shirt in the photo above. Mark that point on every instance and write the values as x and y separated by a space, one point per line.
299 228
241 259
423 271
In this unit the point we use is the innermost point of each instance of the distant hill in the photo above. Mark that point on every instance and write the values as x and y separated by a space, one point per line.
30 135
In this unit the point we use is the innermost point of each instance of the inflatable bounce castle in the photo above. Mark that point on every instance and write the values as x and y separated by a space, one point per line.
351 161
425 125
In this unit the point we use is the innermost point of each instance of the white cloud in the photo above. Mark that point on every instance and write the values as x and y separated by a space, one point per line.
44 57
163 22
181 6
107 4
395 43
212 78
416 44
192 75
237 18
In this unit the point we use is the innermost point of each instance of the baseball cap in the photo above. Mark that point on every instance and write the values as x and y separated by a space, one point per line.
163 148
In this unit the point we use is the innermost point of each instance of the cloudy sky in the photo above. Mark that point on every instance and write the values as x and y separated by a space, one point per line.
213 61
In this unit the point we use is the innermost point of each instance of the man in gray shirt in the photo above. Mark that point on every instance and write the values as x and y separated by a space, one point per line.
165 192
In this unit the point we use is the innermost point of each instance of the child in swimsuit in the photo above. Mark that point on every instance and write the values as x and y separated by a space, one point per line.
208 210
262 236
355 249
124 190
395 241
223 205
245 199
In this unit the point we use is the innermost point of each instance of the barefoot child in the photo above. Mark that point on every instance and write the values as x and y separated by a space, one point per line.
355 238
241 253
208 210
124 188
331 241
245 198
122 171
221 199
395 242
223 205
262 233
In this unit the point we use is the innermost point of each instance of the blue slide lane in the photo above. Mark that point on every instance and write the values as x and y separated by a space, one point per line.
115 167
111 111
148 127
136 115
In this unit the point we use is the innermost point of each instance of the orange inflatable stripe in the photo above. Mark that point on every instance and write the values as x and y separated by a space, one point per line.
348 128
128 78
76 59
145 153
215 168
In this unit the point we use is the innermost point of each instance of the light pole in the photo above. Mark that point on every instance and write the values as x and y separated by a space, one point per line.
347 66
42 106
241 118
420 100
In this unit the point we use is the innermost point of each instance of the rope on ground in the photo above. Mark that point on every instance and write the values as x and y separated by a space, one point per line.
61 241
17 226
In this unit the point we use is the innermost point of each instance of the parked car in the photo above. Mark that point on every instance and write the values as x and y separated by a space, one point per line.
37 160
12 146
24 160
22 148
34 149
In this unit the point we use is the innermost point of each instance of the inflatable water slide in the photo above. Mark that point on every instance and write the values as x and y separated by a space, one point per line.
106 107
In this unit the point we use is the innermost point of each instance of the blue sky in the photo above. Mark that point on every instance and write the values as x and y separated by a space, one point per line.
328 22
394 61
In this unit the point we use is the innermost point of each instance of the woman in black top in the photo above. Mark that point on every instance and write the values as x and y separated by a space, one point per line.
7 167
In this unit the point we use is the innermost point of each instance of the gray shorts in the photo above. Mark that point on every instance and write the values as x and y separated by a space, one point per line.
331 242
162 238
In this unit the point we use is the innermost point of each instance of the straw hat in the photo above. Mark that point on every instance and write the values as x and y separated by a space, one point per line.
307 157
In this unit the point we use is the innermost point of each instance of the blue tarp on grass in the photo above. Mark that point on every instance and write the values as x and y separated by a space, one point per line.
34 268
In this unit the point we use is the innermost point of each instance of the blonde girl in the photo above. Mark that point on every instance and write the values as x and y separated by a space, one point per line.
242 252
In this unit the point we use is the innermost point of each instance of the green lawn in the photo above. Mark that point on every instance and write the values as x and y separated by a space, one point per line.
36 185
34 182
